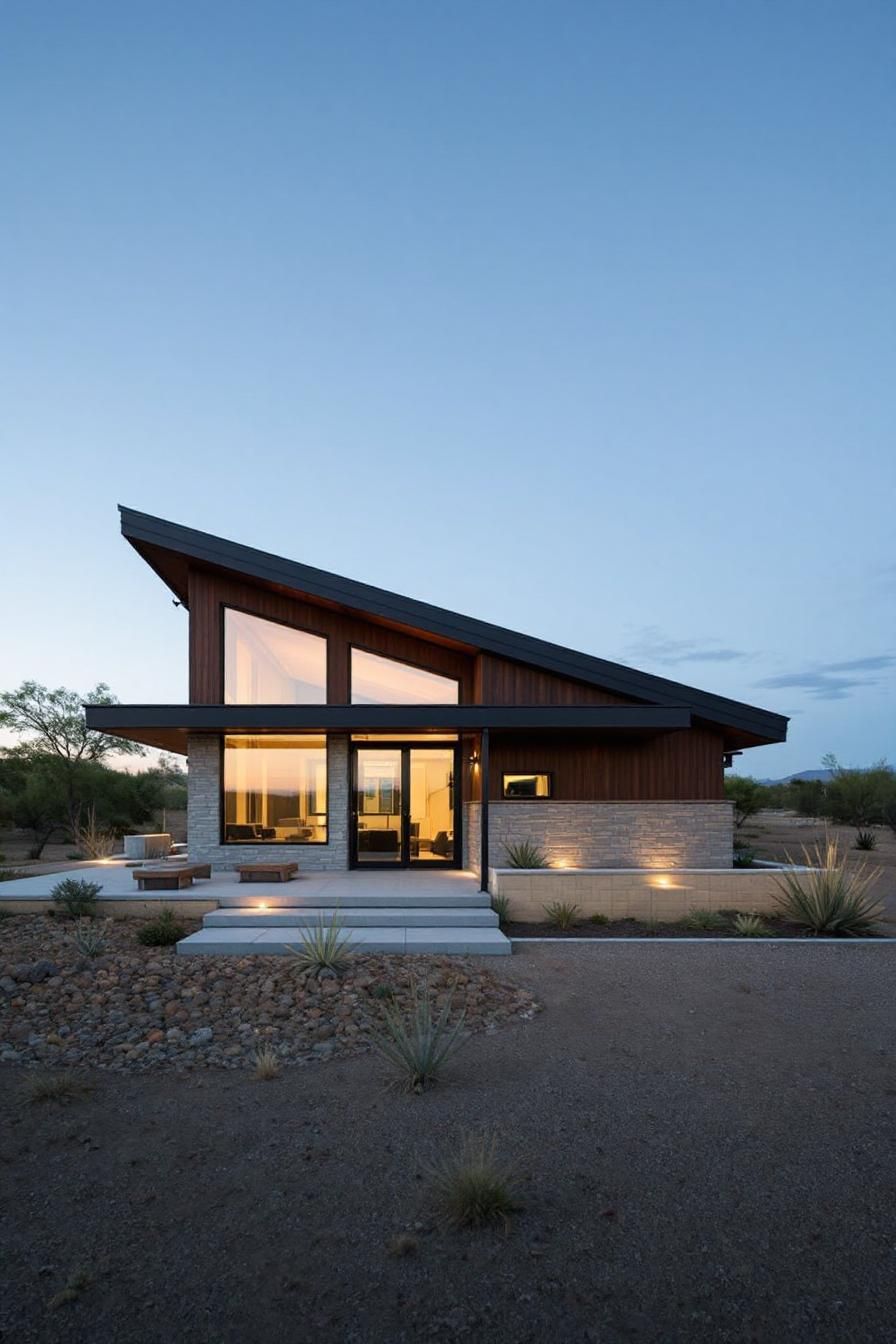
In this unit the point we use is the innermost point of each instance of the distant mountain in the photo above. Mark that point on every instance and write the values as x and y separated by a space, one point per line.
823 775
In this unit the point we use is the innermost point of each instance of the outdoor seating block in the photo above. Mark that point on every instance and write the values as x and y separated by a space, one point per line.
162 879
267 872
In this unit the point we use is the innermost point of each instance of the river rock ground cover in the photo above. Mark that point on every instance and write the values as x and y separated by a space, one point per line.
145 1007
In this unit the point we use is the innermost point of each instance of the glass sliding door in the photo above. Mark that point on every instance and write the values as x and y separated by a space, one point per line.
378 811
405 806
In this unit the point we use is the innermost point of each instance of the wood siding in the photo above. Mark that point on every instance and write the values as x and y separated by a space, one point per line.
209 593
680 765
499 681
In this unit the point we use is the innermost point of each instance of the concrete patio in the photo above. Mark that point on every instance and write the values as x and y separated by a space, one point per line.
409 911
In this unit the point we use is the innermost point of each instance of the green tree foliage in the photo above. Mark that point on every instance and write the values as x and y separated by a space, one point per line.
53 730
860 798
747 795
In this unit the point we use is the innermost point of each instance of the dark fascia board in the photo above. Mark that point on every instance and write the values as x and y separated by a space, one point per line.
384 718
362 597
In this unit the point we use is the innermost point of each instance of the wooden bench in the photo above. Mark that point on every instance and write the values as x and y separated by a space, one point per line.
267 872
163 879
170 879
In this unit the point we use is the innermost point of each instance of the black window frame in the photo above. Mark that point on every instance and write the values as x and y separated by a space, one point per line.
222 792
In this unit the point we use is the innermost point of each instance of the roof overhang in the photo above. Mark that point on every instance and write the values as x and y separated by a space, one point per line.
168 726
171 549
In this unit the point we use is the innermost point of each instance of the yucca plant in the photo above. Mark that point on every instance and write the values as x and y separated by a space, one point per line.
324 947
475 1186
414 1042
829 898
525 855
750 926
704 919
562 915
90 939
501 907
76 896
866 840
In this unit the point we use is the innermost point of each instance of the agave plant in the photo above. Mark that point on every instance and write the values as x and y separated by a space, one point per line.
525 855
324 947
866 840
90 938
750 926
501 907
417 1044
827 897
562 915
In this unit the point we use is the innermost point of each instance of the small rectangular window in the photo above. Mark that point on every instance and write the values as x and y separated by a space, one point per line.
526 786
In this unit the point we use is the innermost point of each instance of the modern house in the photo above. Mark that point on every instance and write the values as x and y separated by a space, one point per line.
348 727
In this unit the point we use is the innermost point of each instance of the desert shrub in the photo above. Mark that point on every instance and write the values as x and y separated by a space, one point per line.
94 840
829 898
562 915
704 919
747 795
501 907
743 857
267 1064
750 926
76 897
61 1086
10 874
525 855
162 931
90 938
324 947
866 840
475 1187
417 1044
598 918
402 1245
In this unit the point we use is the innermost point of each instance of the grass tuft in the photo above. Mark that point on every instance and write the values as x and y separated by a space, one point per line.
267 1064
77 1283
474 1187
704 919
324 947
417 1044
61 1087
403 1245
562 915
829 898
598 918
501 907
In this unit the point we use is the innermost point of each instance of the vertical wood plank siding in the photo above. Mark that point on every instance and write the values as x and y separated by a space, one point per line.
502 682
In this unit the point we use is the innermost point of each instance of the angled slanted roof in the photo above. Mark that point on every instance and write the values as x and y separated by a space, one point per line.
169 547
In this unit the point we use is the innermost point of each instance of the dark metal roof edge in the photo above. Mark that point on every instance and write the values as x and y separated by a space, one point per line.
247 560
209 718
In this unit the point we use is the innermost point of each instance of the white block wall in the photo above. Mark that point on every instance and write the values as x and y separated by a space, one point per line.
204 813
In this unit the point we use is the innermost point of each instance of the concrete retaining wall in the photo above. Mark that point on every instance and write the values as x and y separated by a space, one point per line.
634 893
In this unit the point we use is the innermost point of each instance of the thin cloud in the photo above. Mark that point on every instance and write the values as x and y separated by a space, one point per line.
651 645
826 681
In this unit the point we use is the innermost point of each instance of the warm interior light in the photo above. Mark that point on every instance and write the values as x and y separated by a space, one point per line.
262 905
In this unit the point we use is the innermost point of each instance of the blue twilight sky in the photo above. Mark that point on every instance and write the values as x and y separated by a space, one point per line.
576 317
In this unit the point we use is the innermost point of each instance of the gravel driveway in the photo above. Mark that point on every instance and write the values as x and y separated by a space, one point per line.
705 1134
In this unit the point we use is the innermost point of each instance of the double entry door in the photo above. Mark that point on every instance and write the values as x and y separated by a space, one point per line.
405 806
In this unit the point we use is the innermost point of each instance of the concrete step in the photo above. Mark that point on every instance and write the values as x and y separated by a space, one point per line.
242 942
412 917
390 898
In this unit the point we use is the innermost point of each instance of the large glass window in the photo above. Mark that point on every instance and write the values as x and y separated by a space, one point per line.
266 663
275 790
384 681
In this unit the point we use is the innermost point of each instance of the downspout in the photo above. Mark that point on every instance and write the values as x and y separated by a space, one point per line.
483 811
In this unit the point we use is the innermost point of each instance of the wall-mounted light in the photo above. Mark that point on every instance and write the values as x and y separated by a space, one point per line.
474 757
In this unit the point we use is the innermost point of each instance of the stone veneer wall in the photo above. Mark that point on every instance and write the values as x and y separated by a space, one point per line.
204 813
608 835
